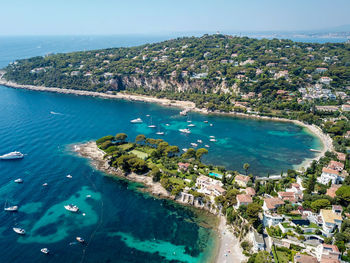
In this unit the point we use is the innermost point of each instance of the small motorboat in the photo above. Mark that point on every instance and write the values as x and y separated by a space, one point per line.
69 176
167 124
212 136
72 208
135 121
88 196
80 239
148 115
19 231
45 184
211 124
185 130
191 125
160 133
213 140
45 250
207 146
11 208
199 141
205 121
194 144
18 181
152 126
184 149
12 156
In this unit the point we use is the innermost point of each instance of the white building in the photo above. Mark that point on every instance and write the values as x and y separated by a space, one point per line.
330 221
258 242
325 251
271 219
329 175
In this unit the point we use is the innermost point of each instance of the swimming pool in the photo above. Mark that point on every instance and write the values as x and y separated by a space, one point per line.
216 175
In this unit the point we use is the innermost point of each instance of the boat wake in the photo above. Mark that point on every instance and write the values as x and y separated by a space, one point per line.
55 113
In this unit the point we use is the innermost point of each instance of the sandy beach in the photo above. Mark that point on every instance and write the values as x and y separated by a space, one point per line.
229 250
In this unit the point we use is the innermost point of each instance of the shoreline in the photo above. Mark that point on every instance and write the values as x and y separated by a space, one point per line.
225 238
326 140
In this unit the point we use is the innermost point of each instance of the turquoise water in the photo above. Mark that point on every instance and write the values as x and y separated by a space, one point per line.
120 224
216 175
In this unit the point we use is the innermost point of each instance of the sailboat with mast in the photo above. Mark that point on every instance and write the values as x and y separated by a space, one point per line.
151 125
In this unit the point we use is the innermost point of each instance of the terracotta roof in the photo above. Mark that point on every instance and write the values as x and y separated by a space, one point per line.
337 207
244 198
329 260
300 258
242 178
250 191
331 191
183 164
329 171
334 248
219 189
286 194
296 185
335 164
272 203
341 156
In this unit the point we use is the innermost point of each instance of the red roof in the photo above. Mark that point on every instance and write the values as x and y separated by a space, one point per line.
250 191
244 198
272 203
329 171
334 165
242 178
334 248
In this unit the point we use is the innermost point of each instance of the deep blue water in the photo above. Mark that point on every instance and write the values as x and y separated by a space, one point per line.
120 223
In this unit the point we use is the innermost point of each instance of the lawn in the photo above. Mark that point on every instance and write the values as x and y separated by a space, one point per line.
126 146
140 154
283 257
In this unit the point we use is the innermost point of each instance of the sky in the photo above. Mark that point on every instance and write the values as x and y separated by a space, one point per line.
106 17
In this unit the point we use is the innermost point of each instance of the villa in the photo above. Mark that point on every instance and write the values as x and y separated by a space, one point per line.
300 258
258 242
288 196
326 252
271 204
341 156
243 199
325 80
209 186
345 107
330 220
242 180
250 191
272 219
183 167
329 175
338 166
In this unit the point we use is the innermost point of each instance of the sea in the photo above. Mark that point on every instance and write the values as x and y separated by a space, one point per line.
118 220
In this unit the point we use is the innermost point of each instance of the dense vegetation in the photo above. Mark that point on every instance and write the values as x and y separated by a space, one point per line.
211 70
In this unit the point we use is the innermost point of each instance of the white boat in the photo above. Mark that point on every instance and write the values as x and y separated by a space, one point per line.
44 184
213 140
72 208
207 146
191 125
184 112
69 176
212 136
148 115
199 141
152 125
184 149
138 120
205 121
79 239
19 231
211 124
45 250
185 130
11 208
160 133
12 155
194 144
167 124
18 181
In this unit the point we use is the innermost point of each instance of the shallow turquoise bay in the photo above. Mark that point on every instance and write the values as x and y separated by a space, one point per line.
120 223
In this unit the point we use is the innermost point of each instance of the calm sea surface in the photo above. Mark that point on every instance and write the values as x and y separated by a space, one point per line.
120 223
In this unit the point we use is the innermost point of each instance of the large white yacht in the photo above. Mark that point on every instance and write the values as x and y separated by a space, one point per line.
72 208
138 120
12 155
19 231
185 130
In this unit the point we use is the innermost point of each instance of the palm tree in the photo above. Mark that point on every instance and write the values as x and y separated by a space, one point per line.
246 167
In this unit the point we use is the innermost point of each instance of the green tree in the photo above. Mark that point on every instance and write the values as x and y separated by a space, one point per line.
343 193
190 153
140 138
319 204
200 152
156 174
263 257
246 167
121 137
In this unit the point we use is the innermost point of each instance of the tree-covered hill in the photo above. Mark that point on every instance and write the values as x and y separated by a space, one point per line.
196 68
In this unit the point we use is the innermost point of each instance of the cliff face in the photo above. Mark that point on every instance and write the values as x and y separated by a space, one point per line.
171 84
